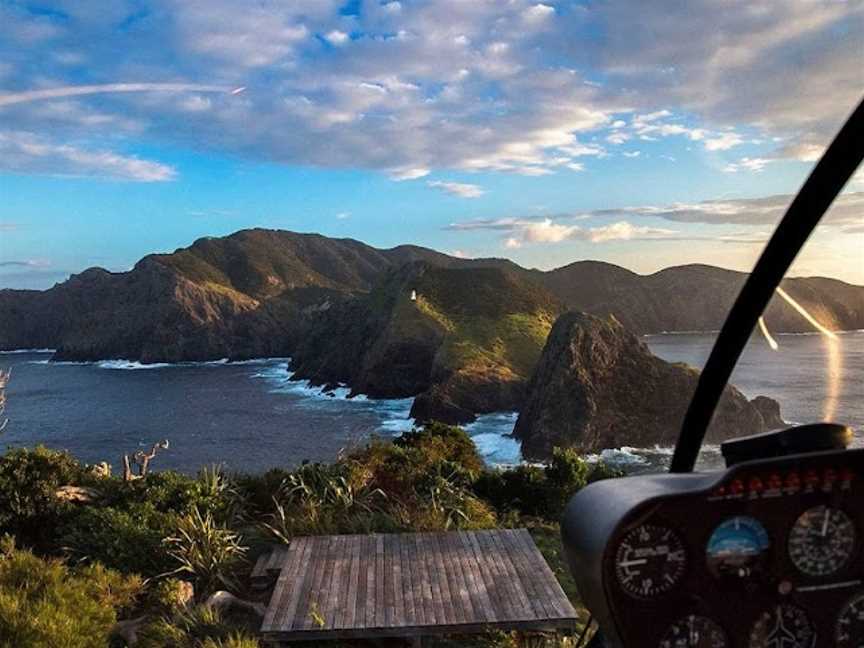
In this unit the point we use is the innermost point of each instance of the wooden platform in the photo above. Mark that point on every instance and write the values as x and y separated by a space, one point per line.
417 584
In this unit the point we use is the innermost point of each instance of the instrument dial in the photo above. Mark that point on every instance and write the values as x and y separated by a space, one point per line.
650 560
694 632
785 626
821 541
737 548
849 632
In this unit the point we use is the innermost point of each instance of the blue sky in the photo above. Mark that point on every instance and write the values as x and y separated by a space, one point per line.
549 132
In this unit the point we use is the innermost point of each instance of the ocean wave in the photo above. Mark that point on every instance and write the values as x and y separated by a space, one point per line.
34 351
133 365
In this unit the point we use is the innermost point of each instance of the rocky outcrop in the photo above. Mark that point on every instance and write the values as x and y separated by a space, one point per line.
598 386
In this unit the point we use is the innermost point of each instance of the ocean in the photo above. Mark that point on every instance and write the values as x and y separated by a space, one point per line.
251 416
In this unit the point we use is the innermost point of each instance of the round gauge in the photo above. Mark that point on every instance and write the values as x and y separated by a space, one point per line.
821 541
694 632
737 547
784 626
849 632
650 560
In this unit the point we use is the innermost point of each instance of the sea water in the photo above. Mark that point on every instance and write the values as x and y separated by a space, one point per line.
255 415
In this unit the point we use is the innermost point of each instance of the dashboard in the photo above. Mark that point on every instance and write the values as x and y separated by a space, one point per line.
767 554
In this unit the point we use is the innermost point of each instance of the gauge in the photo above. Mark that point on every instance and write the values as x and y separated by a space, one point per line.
849 632
694 632
785 626
737 547
650 560
821 541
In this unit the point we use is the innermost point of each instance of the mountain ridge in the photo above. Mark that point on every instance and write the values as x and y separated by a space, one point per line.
225 294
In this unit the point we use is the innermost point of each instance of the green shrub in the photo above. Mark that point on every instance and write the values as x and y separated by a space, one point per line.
171 492
28 480
437 442
127 540
211 554
44 604
198 627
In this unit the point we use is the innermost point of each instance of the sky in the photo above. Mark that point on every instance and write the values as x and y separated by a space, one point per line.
645 134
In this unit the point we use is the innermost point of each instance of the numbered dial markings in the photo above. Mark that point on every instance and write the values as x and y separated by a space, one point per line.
650 560
821 541
694 632
850 624
784 626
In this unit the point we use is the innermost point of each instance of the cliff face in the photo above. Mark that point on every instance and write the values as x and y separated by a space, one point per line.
598 386
467 344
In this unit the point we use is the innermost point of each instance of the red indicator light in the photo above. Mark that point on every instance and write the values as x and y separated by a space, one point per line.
830 475
793 480
774 481
720 491
736 487
811 478
755 484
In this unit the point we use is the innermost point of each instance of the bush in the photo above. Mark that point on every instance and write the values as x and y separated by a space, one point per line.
129 540
199 627
172 492
541 491
28 480
45 604
438 442
209 553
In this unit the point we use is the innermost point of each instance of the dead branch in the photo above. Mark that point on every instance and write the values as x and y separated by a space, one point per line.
142 460
4 380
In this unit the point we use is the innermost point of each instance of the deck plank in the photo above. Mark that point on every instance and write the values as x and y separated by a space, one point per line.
374 586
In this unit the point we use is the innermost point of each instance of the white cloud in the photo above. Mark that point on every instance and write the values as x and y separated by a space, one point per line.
444 84
345 215
723 141
336 37
23 152
408 174
631 154
847 211
460 189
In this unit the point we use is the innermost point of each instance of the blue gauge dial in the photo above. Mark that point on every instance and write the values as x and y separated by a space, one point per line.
736 547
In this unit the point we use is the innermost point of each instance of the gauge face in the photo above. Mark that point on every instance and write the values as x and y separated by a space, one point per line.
821 541
784 626
694 632
849 632
737 547
650 560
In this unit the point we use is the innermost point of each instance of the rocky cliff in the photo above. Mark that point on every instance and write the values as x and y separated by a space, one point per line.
598 386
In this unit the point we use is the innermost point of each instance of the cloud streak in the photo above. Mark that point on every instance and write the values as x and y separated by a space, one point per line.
23 152
65 92
459 189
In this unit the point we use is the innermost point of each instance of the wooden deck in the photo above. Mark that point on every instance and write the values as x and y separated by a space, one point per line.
415 584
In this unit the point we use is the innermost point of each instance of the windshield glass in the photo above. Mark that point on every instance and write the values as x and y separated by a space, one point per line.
270 232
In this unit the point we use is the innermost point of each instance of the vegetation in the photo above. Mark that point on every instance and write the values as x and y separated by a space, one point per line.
151 551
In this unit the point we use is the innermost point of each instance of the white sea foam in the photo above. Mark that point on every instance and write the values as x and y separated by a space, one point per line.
14 351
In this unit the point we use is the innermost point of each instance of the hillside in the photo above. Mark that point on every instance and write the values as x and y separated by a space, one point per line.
261 292
467 344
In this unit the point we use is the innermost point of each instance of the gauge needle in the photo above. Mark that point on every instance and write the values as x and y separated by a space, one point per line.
825 523
633 563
